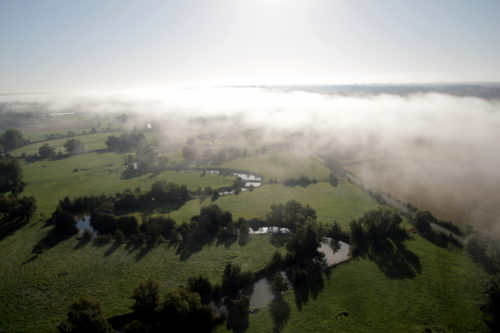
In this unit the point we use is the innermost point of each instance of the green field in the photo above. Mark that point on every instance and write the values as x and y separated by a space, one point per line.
36 290
280 166
445 297
342 203
97 173
35 294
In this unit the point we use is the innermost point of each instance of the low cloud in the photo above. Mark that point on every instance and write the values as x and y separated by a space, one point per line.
438 150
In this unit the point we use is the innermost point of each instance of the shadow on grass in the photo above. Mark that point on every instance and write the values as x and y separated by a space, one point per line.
391 256
82 243
33 258
186 248
9 226
51 239
279 310
307 280
440 239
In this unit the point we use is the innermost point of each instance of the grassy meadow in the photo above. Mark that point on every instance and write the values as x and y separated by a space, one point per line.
444 297
35 290
342 203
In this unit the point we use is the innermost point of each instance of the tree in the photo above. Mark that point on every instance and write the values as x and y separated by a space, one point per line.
202 286
84 316
65 222
11 176
333 179
146 296
11 139
162 162
189 153
244 229
182 311
45 151
492 306
234 280
74 147
422 220
237 318
280 311
305 241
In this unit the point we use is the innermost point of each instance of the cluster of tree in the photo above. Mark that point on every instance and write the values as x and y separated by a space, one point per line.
290 215
10 140
46 151
376 225
11 184
422 220
69 134
126 142
208 192
379 198
333 180
211 223
304 242
182 309
161 193
11 176
146 159
74 147
192 153
85 316
221 156
103 215
492 305
13 207
303 181
484 252
17 118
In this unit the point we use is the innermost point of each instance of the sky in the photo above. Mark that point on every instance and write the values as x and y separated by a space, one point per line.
58 45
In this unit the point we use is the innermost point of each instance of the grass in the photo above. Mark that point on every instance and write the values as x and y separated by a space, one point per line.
281 166
98 173
342 203
35 294
35 291
445 297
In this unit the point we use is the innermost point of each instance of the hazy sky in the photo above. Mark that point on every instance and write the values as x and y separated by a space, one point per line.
58 45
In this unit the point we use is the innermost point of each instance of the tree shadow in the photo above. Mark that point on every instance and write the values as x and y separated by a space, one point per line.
112 248
144 250
440 239
8 226
391 256
187 248
33 258
82 243
307 280
238 314
51 239
226 241
280 312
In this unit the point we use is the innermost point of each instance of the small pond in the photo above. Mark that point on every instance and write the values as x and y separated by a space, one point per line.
335 252
83 223
341 253
268 230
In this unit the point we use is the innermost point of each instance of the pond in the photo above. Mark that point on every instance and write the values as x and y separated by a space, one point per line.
83 223
342 251
262 294
268 230
335 253
248 177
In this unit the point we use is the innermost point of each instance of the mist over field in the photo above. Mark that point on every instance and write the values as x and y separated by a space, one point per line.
434 149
